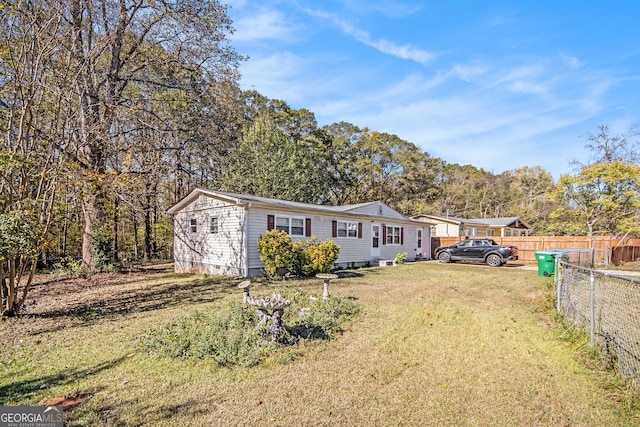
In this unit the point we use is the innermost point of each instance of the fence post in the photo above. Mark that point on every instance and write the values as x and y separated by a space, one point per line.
558 281
592 321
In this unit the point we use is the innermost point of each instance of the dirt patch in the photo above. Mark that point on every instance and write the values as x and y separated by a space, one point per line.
55 304
68 402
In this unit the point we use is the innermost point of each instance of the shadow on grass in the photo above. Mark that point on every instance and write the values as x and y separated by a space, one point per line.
21 391
151 415
307 332
108 303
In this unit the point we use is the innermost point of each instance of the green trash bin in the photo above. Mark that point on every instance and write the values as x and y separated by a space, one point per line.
547 261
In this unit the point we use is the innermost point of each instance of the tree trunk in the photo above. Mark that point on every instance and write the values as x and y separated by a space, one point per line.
134 219
115 229
147 227
3 288
93 217
10 310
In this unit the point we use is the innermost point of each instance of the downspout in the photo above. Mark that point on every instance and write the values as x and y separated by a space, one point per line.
245 239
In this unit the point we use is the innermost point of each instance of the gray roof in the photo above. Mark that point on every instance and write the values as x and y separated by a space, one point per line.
450 219
490 222
497 222
349 210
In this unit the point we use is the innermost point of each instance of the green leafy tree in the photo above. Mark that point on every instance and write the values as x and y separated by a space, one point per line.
269 163
22 239
602 195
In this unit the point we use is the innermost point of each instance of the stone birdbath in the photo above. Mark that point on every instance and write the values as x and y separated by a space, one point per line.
326 277
245 285
268 309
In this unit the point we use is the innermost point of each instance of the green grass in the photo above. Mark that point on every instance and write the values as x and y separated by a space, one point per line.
432 345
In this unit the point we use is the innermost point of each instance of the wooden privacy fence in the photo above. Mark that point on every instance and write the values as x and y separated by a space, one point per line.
529 245
625 254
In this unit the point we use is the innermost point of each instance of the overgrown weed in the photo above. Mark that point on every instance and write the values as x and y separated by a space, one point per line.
230 336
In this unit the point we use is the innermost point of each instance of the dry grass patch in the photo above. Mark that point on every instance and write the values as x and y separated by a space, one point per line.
433 344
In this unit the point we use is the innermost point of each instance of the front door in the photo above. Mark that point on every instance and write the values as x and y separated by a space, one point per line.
375 241
419 243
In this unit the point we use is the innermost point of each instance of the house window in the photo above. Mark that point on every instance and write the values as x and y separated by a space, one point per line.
347 229
292 226
393 235
213 225
297 226
490 232
193 225
470 231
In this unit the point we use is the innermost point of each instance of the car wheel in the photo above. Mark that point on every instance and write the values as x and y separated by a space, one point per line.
494 260
444 257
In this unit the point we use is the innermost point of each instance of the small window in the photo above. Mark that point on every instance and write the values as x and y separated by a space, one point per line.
347 229
193 225
342 229
213 225
282 224
292 226
393 235
297 227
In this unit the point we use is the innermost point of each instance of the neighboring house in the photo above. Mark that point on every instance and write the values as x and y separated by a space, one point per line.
217 232
448 226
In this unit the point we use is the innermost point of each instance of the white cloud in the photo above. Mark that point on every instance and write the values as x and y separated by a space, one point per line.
263 25
384 46
572 61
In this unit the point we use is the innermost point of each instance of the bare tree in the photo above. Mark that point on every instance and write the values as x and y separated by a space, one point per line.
34 125
125 53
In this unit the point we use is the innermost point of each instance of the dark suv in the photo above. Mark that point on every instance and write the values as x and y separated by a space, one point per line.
484 250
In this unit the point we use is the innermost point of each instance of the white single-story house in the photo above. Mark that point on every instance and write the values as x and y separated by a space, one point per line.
217 232
448 226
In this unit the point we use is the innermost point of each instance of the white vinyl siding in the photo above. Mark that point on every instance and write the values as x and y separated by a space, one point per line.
233 249
221 252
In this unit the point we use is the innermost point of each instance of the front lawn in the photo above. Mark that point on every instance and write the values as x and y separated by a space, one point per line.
432 344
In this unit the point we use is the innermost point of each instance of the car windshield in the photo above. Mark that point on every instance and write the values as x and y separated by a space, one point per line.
464 243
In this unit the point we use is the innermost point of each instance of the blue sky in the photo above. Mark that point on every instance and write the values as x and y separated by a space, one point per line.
496 84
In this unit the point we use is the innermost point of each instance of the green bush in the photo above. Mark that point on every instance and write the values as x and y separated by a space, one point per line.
304 257
321 256
299 259
102 241
317 318
276 251
401 258
69 267
230 337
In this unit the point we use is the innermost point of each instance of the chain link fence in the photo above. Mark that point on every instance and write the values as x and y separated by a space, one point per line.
582 257
608 306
